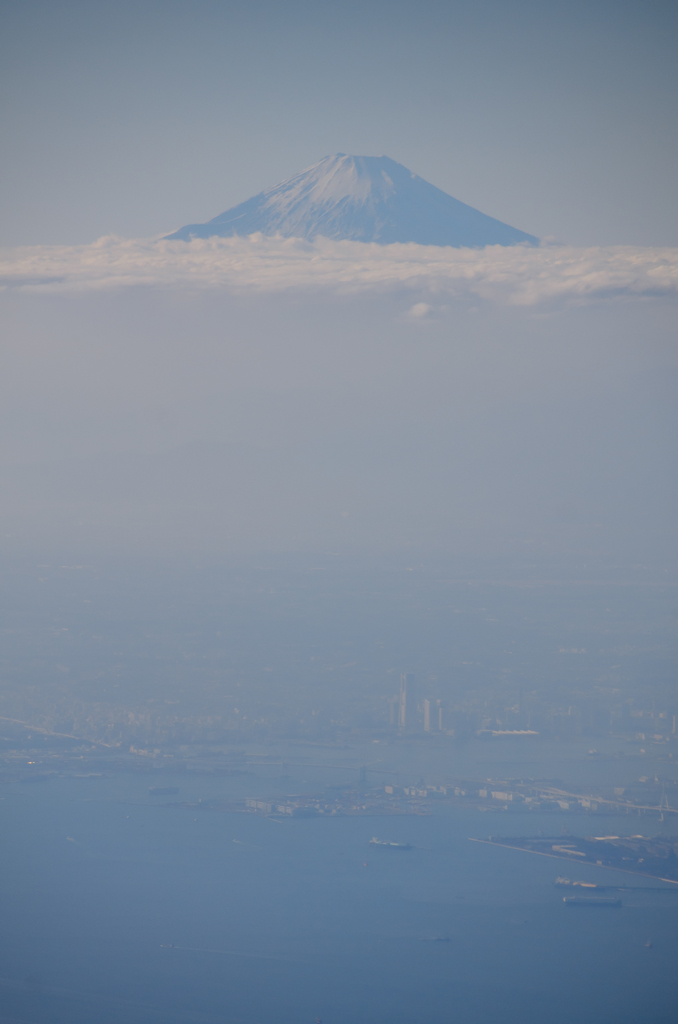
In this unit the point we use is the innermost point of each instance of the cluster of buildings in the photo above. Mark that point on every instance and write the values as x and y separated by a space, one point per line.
647 796
421 707
348 802
407 712
411 711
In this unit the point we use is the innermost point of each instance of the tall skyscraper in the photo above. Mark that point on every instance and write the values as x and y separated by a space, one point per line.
407 710
427 716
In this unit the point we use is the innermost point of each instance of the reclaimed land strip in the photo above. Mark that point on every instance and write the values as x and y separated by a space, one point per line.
562 856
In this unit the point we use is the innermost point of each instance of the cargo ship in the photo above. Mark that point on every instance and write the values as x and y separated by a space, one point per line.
391 846
560 880
591 901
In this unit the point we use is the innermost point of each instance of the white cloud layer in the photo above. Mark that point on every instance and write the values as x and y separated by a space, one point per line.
519 275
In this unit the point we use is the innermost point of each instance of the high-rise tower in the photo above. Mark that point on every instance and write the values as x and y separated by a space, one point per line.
407 708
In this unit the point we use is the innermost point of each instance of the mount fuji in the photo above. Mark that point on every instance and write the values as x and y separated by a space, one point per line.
364 199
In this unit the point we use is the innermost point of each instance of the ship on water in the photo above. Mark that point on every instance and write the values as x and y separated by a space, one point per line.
591 901
391 846
561 880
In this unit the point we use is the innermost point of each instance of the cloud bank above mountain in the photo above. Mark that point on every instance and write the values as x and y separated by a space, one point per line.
519 275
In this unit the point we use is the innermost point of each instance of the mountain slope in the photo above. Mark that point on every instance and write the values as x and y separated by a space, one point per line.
362 198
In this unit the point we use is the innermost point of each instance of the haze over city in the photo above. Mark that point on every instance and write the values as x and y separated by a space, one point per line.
338 676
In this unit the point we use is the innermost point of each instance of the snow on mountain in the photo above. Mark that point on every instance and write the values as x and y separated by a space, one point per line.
364 199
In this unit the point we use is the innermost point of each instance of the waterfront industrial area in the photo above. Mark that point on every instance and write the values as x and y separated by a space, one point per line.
365 791
650 857
416 769
172 782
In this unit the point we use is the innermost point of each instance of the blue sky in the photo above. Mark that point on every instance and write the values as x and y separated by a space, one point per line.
265 394
134 118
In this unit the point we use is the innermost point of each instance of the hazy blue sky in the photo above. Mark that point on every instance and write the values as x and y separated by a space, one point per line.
177 397
170 421
137 117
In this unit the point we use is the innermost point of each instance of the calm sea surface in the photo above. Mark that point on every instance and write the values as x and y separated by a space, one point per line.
116 908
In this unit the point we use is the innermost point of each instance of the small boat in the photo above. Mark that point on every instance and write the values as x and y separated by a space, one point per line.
391 846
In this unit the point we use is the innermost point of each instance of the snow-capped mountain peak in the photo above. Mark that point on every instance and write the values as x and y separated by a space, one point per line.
362 198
